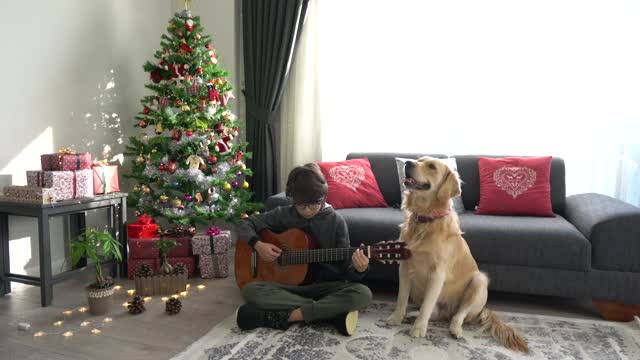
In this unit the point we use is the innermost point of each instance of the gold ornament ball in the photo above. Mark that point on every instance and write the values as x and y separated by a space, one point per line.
140 160
245 185
227 187
136 188
243 166
159 182
185 107
146 190
176 202
256 212
137 213
164 198
143 136
153 151
244 216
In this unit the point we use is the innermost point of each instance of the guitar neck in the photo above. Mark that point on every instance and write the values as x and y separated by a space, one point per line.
293 257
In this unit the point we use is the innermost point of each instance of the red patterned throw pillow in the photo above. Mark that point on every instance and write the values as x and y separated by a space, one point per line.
352 184
515 186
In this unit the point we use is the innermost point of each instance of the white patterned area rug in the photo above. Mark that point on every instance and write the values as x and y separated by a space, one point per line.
549 338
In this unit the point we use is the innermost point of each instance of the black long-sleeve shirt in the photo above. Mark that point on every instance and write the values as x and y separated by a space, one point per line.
327 228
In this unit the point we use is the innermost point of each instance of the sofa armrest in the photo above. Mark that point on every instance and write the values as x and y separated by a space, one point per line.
613 228
276 200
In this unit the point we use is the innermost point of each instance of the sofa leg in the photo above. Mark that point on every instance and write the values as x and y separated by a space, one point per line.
616 311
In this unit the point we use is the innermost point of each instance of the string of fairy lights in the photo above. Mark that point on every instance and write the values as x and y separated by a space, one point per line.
64 327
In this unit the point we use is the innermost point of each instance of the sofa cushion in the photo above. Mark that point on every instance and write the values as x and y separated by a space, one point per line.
470 176
526 241
515 186
383 166
351 184
372 225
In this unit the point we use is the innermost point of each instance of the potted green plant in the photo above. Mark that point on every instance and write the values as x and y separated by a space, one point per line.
169 280
97 246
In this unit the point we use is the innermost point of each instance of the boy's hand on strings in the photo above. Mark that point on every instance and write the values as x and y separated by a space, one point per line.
268 252
359 260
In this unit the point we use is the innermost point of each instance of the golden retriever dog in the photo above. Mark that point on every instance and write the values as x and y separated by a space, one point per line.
441 274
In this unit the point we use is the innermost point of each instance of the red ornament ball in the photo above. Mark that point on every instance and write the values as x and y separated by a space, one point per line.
203 167
208 46
199 70
145 111
219 128
172 167
214 169
142 124
212 159
188 132
156 76
161 167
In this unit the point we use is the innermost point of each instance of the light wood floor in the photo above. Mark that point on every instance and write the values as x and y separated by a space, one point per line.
155 335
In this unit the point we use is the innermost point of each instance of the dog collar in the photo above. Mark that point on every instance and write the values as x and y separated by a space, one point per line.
430 218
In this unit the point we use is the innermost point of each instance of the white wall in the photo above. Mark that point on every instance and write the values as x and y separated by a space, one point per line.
72 76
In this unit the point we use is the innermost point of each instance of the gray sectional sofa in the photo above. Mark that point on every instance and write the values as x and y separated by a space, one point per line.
590 250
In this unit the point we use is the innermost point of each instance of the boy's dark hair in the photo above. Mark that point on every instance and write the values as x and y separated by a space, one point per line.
306 184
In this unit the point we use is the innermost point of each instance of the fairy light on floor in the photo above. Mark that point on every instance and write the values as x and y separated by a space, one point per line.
96 331
184 294
148 298
58 323
67 334
188 286
67 313
107 320
82 309
200 287
39 334
131 292
164 298
125 304
85 323
176 296
117 287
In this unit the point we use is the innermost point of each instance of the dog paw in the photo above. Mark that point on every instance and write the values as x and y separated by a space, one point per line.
456 332
395 319
418 331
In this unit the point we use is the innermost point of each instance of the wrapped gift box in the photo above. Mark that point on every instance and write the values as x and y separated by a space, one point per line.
147 249
187 261
28 194
66 162
64 185
144 228
105 178
144 248
202 243
214 266
134 264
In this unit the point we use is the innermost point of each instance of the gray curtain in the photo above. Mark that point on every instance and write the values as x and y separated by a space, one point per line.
271 29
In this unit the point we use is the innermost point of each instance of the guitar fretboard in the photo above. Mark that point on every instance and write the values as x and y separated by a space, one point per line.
293 257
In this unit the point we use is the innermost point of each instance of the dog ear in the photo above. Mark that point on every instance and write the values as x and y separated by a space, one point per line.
450 187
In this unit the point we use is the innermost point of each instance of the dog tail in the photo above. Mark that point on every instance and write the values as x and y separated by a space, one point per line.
500 331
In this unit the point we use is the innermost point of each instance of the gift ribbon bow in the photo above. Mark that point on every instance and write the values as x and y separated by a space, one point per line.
213 231
65 150
145 219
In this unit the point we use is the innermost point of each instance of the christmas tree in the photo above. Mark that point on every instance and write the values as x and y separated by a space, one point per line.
190 168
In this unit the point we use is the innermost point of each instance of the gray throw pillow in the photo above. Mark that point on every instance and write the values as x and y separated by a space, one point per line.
458 206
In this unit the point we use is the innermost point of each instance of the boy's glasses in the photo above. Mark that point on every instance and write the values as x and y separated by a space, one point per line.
313 206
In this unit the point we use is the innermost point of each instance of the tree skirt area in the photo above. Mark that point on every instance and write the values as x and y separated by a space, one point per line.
549 337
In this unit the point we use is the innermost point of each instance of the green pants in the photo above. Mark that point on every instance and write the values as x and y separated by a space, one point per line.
317 301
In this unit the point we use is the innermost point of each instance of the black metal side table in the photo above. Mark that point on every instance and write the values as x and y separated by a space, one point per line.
116 205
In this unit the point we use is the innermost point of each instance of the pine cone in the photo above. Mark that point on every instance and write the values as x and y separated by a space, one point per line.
173 306
136 306
179 269
144 271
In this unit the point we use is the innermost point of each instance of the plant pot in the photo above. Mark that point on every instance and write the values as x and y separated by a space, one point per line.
100 300
160 284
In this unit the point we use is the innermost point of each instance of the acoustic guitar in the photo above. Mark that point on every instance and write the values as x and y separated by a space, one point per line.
297 252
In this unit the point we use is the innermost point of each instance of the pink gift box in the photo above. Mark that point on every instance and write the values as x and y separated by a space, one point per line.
214 266
66 162
201 243
105 179
64 185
